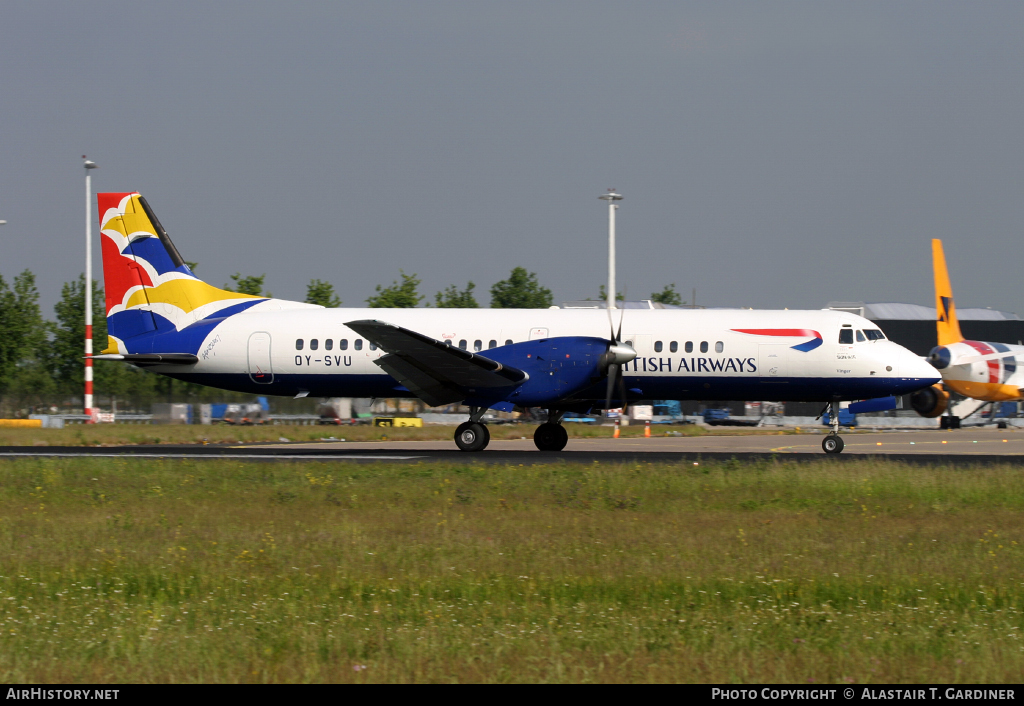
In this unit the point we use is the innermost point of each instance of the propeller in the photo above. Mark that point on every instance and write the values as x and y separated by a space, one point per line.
617 355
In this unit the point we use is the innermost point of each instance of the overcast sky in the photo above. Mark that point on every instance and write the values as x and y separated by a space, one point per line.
772 154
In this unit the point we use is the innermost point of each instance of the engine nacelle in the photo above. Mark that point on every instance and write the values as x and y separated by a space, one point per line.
940 357
931 401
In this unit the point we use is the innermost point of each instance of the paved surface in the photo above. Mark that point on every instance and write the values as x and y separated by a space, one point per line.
1004 442
965 446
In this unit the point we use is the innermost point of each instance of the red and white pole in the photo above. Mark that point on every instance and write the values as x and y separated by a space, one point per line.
89 165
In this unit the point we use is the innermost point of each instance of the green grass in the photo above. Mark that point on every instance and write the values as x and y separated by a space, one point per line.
218 571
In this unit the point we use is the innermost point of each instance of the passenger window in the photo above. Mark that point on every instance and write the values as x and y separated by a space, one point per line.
719 347
448 342
462 344
508 341
703 346
673 347
329 344
313 344
846 336
689 347
478 345
860 336
874 334
343 344
373 346
298 344
657 346
358 345
492 343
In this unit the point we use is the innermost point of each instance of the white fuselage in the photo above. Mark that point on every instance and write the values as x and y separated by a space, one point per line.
281 348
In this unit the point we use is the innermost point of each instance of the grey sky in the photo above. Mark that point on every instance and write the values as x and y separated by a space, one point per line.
771 154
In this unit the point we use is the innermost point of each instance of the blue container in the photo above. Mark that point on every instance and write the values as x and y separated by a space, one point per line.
846 419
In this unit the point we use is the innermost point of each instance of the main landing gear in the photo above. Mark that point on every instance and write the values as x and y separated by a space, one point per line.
551 435
833 443
474 435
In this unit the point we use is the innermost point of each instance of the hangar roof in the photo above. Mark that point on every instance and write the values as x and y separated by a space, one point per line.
894 311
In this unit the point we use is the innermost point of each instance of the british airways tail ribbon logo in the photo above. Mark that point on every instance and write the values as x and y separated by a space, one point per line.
788 333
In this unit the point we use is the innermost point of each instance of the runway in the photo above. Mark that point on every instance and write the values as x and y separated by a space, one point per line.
958 447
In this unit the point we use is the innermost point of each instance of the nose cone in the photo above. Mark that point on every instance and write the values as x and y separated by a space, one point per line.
916 372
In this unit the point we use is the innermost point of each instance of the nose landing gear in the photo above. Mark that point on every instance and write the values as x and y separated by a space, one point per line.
833 443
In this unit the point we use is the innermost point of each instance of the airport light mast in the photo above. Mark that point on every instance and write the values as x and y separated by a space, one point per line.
89 166
611 197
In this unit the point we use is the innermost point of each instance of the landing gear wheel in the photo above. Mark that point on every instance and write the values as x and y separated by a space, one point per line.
472 436
832 444
550 437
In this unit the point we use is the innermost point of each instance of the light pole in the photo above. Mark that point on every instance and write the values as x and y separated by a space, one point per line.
89 166
611 197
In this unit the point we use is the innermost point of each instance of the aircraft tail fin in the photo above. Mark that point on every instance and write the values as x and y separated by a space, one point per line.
149 288
947 326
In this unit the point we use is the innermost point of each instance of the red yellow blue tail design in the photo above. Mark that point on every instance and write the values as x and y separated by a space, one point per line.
150 291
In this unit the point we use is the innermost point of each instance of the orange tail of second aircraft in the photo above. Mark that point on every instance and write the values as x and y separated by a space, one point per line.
947 325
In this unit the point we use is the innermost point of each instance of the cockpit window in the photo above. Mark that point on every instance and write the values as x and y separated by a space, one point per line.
846 336
874 334
860 336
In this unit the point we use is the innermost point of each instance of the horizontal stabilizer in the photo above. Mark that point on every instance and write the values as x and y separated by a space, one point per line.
149 359
436 372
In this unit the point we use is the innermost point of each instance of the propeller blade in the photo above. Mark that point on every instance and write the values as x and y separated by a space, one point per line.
612 369
622 386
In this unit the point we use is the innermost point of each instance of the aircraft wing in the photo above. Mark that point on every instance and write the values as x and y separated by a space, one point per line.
436 372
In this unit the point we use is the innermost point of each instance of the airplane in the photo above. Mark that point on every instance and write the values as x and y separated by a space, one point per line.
162 317
987 372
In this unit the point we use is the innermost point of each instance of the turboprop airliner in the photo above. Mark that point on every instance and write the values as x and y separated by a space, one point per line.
162 317
987 372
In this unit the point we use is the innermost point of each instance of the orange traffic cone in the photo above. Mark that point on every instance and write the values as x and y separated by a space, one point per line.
647 429
616 434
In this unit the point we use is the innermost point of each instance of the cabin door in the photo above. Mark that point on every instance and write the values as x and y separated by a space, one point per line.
260 369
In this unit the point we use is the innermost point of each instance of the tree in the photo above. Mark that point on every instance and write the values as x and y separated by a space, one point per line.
23 373
452 298
64 355
397 296
322 293
668 295
602 295
67 348
253 284
520 291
